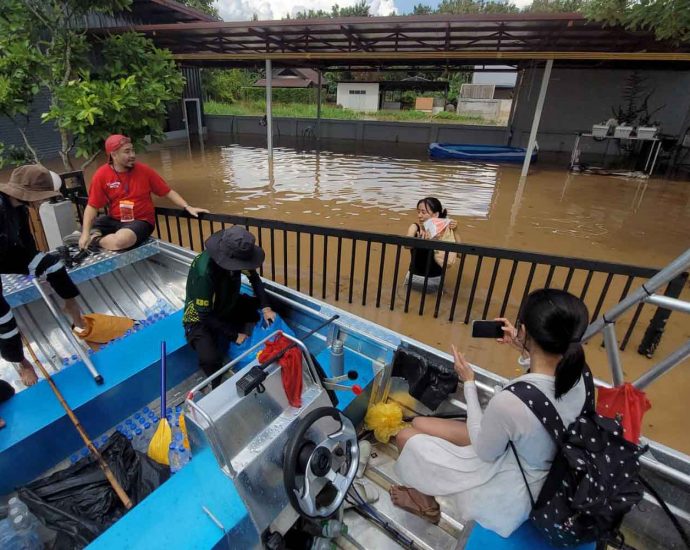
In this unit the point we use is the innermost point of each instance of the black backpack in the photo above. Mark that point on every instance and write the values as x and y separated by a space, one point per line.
594 479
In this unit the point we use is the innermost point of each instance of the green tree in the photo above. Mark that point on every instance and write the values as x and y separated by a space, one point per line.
361 9
44 48
668 19
202 5
475 6
555 6
422 9
225 85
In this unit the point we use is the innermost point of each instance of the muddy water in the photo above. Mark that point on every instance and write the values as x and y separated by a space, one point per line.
376 187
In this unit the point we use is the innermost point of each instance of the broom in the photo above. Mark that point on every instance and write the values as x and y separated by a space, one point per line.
119 491
160 442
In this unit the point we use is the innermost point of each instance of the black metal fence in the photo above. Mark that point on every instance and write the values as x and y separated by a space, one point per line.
369 269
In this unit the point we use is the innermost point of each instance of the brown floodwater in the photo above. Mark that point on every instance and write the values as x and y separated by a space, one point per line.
375 187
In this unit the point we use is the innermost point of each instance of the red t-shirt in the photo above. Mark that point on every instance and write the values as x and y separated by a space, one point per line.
109 187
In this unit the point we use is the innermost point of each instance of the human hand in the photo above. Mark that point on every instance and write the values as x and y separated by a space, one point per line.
510 334
84 240
241 338
462 367
194 212
269 315
453 225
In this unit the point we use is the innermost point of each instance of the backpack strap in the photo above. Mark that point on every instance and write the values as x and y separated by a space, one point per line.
541 407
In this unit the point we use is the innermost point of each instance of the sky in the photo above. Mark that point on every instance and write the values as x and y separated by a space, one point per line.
238 10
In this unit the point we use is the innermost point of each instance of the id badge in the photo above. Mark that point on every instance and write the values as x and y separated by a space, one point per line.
126 211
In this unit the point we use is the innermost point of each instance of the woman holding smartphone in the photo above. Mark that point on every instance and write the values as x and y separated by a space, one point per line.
470 462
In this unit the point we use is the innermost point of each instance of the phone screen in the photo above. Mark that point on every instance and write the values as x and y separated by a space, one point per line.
487 329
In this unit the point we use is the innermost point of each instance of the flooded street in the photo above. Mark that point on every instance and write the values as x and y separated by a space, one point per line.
376 187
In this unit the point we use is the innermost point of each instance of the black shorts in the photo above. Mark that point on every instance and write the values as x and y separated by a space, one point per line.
108 226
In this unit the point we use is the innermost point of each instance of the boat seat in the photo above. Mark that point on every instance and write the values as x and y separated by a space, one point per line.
526 536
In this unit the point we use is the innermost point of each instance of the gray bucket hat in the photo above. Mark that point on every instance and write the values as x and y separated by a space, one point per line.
234 249
32 183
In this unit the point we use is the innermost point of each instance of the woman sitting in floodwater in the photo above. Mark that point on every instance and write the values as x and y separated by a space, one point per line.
470 462
428 208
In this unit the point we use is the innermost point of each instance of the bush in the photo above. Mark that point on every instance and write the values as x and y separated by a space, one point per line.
282 95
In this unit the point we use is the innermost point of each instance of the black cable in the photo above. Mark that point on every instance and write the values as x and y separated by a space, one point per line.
667 510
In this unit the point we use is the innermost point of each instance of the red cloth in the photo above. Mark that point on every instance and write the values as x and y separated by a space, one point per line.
291 367
109 187
627 401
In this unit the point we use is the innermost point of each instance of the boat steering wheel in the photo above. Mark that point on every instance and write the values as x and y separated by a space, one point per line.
318 475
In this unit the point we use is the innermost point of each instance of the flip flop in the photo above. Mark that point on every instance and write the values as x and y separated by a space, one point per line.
413 501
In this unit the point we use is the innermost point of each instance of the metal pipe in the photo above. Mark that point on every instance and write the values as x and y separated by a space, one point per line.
269 108
669 303
663 366
318 107
68 333
612 353
670 272
537 116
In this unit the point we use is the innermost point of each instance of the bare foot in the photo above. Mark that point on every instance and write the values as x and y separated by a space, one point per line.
2 424
416 503
27 374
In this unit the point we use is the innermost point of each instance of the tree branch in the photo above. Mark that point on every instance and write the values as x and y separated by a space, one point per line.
90 160
33 152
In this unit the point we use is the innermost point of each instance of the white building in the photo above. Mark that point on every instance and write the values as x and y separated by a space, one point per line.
358 96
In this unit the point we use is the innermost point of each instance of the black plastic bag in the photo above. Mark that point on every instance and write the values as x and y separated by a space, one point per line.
79 503
429 382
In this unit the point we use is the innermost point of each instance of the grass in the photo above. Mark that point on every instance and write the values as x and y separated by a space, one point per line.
303 110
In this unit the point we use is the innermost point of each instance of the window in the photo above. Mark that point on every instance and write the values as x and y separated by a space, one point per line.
358 92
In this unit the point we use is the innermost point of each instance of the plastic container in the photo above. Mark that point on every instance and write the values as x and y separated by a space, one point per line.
332 528
320 543
183 454
337 358
622 132
600 130
647 132
139 442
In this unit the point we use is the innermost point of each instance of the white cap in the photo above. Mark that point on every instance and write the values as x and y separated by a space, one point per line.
18 519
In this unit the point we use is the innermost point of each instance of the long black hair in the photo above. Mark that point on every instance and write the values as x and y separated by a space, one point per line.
556 321
434 206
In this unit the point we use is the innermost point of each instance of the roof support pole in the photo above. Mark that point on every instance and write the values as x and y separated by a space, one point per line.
318 107
269 109
537 117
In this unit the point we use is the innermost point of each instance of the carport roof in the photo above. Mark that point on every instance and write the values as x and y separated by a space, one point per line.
438 40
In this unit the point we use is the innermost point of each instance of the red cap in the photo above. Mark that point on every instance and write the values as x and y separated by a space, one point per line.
114 142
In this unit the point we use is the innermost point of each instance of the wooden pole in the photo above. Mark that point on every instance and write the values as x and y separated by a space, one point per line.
122 495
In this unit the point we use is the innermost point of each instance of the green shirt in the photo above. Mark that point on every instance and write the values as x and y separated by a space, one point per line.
213 290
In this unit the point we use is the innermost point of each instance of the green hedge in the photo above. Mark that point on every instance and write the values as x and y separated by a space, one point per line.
282 95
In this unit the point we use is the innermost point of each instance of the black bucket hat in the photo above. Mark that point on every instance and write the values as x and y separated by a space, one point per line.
235 249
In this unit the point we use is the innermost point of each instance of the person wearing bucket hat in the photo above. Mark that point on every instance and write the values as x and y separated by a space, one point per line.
124 186
216 312
28 185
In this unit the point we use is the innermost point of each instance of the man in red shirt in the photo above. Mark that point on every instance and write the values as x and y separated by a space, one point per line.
125 187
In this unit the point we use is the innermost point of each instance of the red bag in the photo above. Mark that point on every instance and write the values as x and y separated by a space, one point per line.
290 367
627 401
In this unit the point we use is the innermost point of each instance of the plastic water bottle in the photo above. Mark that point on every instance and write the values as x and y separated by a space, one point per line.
16 508
138 442
174 459
333 528
26 534
320 543
183 453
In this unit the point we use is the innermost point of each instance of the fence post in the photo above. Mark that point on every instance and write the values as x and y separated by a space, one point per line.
652 336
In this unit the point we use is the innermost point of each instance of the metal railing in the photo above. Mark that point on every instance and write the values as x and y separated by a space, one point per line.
365 269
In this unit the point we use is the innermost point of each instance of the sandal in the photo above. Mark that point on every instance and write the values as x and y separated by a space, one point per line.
416 503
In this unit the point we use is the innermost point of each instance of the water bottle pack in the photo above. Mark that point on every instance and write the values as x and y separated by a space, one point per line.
160 310
20 530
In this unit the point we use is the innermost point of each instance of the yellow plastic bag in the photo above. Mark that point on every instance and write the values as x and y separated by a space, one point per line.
385 419
101 329
159 445
183 429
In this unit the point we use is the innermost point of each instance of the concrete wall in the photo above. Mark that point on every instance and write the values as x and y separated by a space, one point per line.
368 130
366 102
578 98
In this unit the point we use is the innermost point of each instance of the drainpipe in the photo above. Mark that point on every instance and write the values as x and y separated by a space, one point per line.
537 117
269 109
